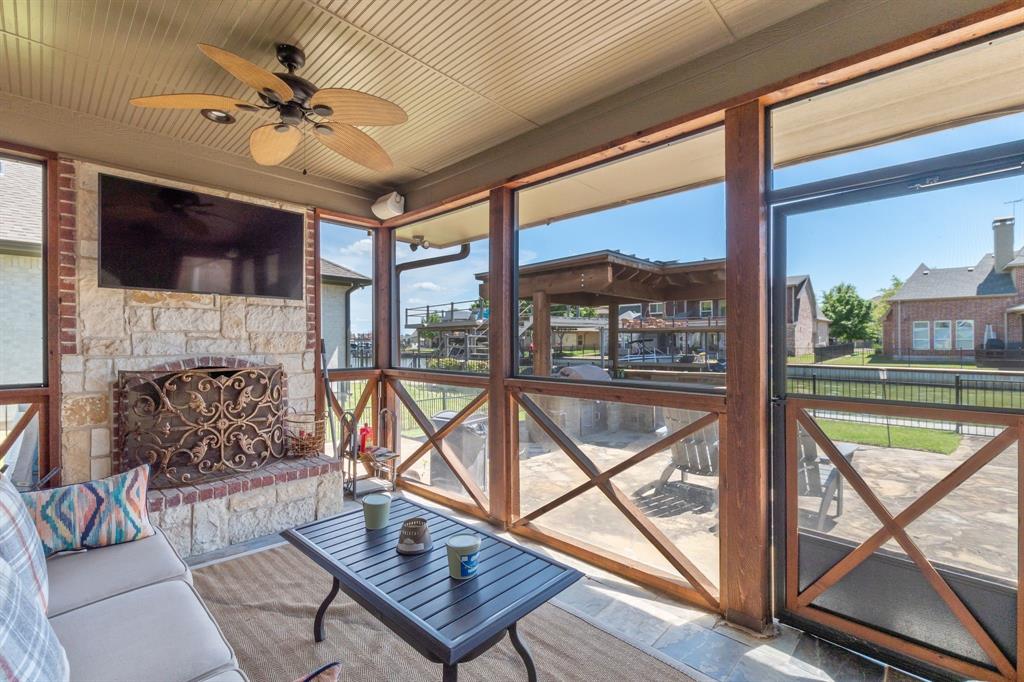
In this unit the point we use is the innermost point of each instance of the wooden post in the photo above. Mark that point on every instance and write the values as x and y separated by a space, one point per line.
541 334
386 343
613 337
744 492
502 320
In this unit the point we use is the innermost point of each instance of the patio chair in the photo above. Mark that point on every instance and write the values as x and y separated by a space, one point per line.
697 455
818 477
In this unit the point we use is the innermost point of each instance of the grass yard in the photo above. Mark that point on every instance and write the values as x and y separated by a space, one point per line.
867 357
907 437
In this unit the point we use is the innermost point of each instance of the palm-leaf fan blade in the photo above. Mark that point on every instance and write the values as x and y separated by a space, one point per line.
197 100
358 108
270 146
353 144
254 76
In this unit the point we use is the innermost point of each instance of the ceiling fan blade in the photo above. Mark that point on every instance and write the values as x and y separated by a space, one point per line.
254 76
270 147
192 100
358 108
354 144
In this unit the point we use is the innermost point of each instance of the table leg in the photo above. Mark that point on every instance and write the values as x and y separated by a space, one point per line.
318 624
450 672
524 652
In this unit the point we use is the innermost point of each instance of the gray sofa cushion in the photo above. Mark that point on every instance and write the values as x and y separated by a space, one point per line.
232 675
81 578
159 633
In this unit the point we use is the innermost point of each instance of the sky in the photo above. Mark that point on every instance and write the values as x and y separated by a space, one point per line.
864 245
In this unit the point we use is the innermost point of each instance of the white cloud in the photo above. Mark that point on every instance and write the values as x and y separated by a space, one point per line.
427 286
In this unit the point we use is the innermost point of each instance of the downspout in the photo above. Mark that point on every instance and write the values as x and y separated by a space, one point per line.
426 262
462 254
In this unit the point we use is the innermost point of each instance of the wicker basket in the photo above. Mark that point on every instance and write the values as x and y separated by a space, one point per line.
304 434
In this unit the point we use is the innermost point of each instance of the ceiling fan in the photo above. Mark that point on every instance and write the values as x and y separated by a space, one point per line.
332 113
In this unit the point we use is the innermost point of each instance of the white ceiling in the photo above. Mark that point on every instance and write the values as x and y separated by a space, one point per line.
470 74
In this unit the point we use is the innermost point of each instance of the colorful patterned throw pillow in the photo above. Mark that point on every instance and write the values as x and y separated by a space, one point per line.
29 648
19 543
94 514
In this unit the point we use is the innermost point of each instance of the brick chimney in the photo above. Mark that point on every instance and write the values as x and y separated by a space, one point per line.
1002 238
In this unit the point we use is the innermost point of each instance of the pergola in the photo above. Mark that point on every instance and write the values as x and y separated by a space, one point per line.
607 278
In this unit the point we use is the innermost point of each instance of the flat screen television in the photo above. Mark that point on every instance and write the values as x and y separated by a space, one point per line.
155 237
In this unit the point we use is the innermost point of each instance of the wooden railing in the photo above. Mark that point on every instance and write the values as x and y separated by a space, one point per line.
893 526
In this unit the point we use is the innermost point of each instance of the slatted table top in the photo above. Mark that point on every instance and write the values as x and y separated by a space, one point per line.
445 619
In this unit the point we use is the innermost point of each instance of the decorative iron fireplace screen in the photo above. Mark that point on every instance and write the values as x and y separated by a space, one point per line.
200 424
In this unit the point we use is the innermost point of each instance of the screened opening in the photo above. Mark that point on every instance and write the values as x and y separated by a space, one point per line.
443 311
346 295
621 269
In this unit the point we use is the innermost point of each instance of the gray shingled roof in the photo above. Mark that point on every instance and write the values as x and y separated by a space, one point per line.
331 270
963 282
796 280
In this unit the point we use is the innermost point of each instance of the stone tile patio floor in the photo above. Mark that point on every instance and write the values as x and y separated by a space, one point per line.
696 642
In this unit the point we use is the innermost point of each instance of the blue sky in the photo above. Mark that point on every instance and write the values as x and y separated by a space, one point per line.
863 245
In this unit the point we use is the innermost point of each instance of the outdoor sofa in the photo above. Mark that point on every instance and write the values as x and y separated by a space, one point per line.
129 612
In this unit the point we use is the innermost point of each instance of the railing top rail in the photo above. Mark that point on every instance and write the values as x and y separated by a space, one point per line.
966 414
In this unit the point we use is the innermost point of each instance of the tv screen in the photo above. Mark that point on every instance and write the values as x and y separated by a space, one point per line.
154 237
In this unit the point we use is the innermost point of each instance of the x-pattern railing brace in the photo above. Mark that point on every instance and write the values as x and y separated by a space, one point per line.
435 439
653 449
357 413
633 514
895 527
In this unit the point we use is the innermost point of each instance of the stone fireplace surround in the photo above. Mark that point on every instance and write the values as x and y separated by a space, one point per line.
103 331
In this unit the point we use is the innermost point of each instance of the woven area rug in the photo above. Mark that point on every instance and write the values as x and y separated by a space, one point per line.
265 604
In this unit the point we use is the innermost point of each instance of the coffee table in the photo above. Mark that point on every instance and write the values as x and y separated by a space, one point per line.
448 621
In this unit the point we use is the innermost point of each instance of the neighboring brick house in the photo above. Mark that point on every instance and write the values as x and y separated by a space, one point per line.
803 328
944 311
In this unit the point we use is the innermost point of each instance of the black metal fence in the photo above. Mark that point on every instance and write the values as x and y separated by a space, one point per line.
838 350
948 389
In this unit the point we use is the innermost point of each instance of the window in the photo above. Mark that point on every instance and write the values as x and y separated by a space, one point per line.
943 335
721 308
922 336
602 250
22 334
441 288
346 295
965 334
707 308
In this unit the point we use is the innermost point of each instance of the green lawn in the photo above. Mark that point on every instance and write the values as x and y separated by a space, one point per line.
867 357
908 437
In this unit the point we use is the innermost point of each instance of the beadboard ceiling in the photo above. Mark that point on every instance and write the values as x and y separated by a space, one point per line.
470 73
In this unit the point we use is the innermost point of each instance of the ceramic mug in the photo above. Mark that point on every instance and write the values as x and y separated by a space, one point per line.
376 510
463 555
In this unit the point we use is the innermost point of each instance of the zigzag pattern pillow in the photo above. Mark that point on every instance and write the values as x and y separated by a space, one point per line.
94 514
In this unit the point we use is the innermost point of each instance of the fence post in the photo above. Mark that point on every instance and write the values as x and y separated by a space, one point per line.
958 391
814 383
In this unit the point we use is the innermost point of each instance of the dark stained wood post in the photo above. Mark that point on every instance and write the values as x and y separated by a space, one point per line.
744 520
503 318
541 334
386 342
613 337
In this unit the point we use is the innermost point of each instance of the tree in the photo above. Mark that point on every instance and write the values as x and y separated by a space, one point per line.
881 305
849 314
